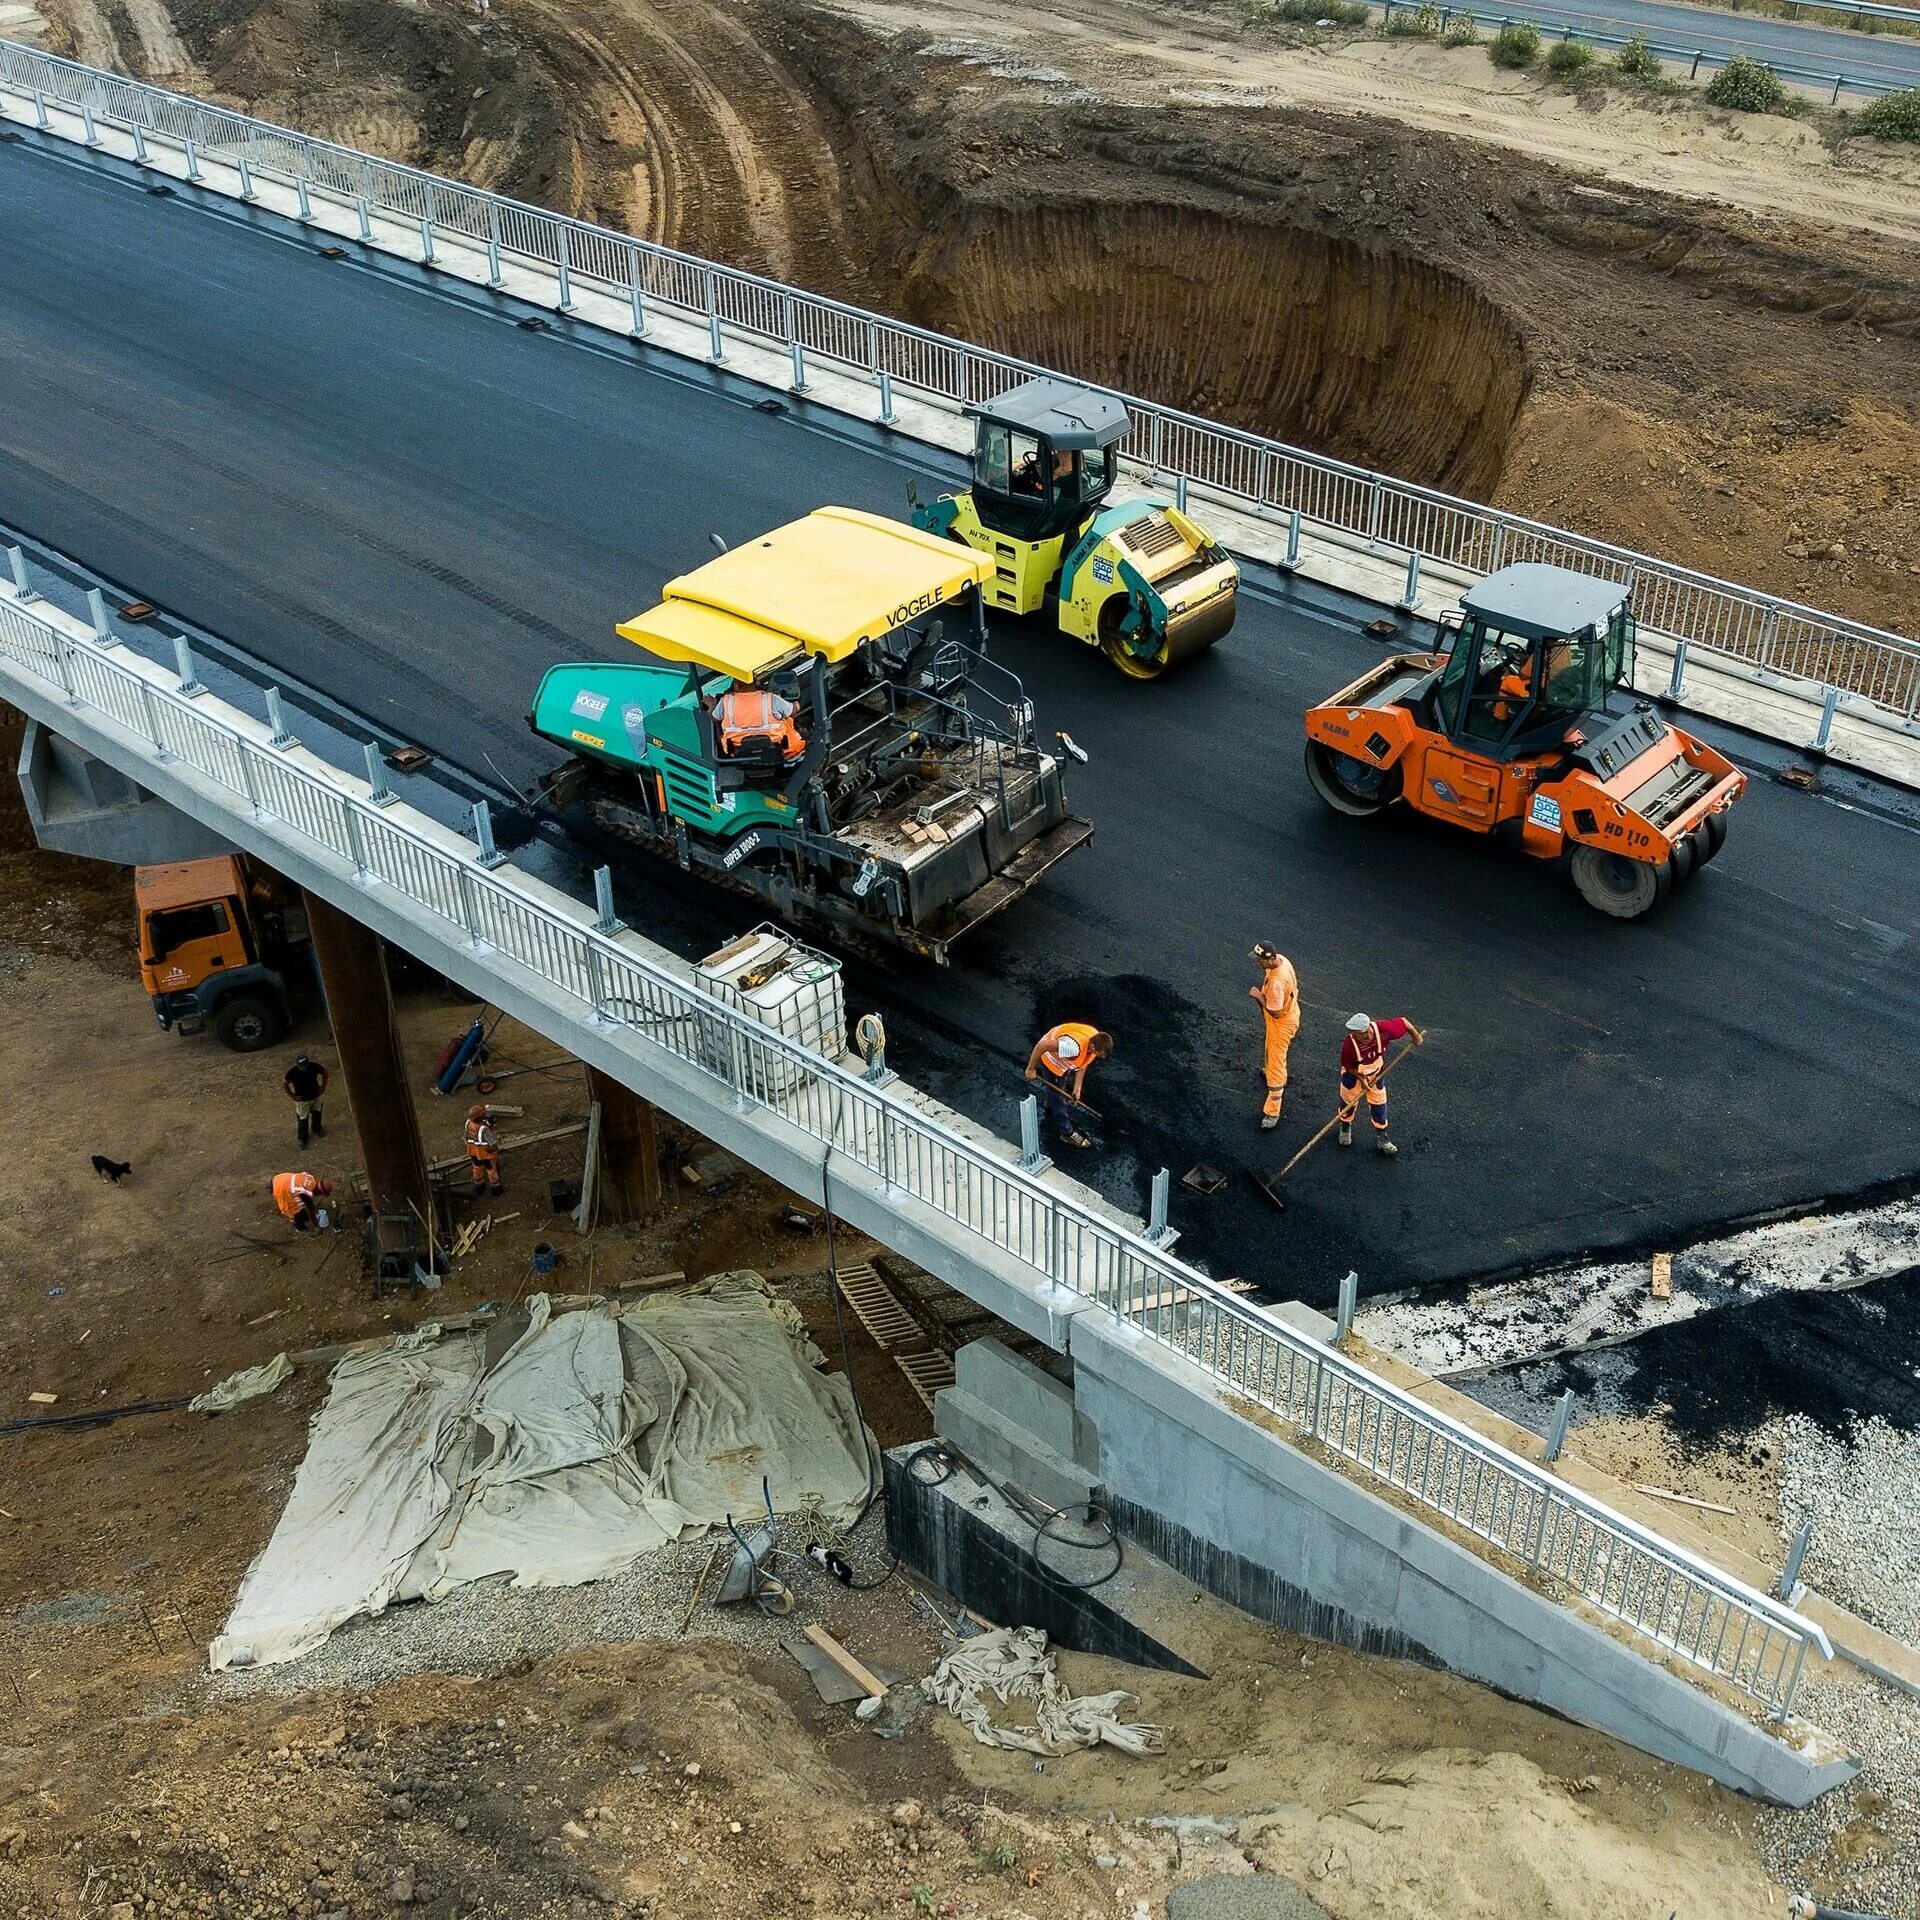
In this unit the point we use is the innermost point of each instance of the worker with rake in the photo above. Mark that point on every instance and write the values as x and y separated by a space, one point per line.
1363 1061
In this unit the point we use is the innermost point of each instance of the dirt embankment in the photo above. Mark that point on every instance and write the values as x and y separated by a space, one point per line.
1718 387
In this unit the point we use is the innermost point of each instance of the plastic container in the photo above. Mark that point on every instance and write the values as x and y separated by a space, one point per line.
792 989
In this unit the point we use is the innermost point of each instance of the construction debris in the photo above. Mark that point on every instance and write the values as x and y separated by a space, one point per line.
475 1231
1681 1499
861 1676
1013 1663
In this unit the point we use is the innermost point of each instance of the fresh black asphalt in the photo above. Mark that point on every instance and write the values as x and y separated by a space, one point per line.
405 500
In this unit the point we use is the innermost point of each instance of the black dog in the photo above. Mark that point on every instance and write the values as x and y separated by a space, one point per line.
114 1170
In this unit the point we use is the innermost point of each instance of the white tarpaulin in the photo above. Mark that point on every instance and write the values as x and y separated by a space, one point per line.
594 1436
1013 1663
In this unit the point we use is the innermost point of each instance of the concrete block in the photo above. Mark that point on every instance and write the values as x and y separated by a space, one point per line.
1028 1396
1009 1451
84 806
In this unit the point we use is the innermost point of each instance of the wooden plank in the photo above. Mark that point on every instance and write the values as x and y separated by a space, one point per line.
926 1373
841 1658
1663 1276
1682 1499
506 1146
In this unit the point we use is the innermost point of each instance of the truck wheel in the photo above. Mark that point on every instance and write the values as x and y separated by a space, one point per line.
1615 885
247 1024
1348 785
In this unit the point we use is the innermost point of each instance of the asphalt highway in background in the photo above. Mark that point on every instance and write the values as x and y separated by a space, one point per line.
405 500
1891 59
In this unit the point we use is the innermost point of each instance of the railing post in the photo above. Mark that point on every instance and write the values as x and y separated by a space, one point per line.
489 855
1410 593
382 794
40 108
635 299
190 682
1677 679
1349 1302
152 715
1789 1580
1158 1232
17 565
1375 499
193 162
426 240
597 982
608 922
248 780
277 720
139 145
1180 493
494 279
356 839
246 179
86 118
886 398
1824 735
1837 79
1557 1428
304 196
716 346
565 264
798 383
102 626
365 215
1031 1158
469 906
1292 561
63 653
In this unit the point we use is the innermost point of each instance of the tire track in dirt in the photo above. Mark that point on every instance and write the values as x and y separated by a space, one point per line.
739 167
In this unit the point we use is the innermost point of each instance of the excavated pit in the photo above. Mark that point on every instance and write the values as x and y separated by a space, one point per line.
1368 355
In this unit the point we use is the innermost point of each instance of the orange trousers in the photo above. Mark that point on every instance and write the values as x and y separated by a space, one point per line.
1280 1033
484 1164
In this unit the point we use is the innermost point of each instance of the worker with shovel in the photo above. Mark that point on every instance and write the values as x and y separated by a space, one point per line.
1363 1060
1058 1068
1279 997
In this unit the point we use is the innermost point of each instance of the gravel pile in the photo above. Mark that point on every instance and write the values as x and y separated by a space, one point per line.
488 1627
1859 1492
1858 1847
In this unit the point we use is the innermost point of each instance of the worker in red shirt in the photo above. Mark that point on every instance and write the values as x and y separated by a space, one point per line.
1279 996
1058 1067
1363 1061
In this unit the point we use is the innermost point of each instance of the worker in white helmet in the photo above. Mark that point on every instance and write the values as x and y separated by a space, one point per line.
1363 1063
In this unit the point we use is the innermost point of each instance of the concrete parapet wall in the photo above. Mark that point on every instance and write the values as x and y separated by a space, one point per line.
1257 1521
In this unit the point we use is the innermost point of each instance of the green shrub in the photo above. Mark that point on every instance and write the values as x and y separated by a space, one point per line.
1894 116
1637 60
1461 32
1515 45
1747 86
1565 58
1420 23
1310 13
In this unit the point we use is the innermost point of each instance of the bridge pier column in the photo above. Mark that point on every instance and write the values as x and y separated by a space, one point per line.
629 1150
353 973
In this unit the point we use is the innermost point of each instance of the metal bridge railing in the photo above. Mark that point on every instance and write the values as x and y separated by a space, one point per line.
1541 1529
1259 475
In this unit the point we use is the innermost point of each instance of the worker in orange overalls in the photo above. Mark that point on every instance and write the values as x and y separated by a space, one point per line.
1363 1061
1058 1067
1279 996
298 1196
483 1152
749 715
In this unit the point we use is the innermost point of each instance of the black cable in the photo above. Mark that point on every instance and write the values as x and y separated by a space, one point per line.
945 1455
95 1417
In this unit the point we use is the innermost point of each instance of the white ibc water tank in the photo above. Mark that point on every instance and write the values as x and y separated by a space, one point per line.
794 990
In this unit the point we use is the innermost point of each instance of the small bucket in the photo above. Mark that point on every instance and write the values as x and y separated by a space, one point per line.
545 1259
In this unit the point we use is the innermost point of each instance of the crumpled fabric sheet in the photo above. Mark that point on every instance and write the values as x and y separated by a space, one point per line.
1013 1663
248 1384
593 1438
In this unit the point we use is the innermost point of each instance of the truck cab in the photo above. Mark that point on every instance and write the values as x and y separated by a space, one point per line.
212 937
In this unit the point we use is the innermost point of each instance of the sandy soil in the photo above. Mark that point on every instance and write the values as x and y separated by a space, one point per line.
1152 52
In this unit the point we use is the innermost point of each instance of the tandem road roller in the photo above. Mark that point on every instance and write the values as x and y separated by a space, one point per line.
1139 579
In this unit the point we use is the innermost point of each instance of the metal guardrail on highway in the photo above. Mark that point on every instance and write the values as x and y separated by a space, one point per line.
1542 1529
1781 637
1678 52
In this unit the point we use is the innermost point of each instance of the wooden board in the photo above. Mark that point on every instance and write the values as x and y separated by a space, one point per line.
845 1661
877 1309
1663 1276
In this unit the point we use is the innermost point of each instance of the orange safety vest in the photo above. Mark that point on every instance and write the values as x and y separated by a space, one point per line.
754 713
481 1142
1075 1030
292 1191
1279 991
